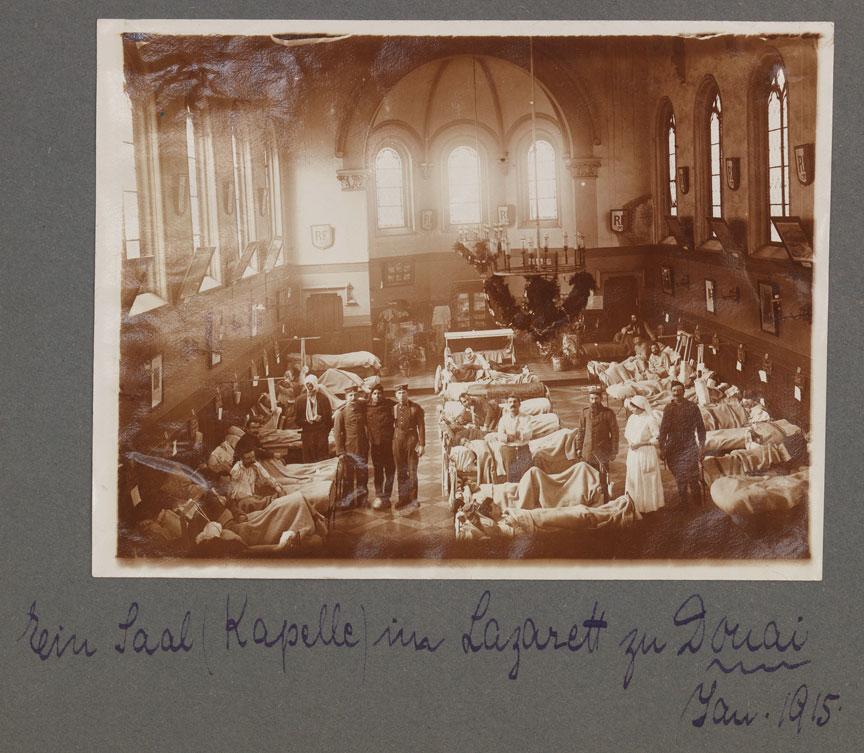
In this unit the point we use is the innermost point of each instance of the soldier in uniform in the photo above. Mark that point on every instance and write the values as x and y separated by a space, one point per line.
682 444
598 436
380 422
352 444
409 444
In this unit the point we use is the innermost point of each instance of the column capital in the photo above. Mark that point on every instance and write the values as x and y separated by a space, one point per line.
584 167
352 180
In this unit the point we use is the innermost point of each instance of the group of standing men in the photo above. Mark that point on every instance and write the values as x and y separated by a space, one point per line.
393 433
680 442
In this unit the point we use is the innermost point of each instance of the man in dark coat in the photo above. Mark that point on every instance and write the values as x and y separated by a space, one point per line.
380 423
409 444
315 419
598 436
682 443
352 443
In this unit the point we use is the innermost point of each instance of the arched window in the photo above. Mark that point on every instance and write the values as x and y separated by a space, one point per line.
542 182
778 146
390 189
671 154
715 156
463 186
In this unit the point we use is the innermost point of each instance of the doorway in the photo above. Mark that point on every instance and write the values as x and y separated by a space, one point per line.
620 301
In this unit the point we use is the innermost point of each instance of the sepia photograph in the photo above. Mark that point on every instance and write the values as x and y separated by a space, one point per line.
402 299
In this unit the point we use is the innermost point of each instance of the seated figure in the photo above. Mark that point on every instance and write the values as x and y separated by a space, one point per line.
478 417
474 366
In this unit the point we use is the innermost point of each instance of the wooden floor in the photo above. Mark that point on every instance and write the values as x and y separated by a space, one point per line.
426 532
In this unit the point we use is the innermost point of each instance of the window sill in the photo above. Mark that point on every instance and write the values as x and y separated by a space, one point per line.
532 224
145 302
394 232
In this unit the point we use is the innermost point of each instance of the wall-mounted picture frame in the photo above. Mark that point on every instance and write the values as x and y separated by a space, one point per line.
805 162
257 318
214 336
617 220
667 280
710 297
733 173
397 273
684 179
154 367
427 219
768 307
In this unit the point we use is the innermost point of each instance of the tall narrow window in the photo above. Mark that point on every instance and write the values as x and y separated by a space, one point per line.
715 148
778 147
389 189
192 165
273 175
274 186
142 243
244 198
671 164
542 182
131 225
201 167
463 186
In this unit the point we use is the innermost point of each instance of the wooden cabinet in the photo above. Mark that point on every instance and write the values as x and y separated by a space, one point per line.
468 306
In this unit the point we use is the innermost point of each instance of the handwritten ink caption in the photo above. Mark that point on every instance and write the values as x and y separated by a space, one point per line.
720 645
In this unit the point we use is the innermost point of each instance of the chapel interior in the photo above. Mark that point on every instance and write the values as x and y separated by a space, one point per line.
291 201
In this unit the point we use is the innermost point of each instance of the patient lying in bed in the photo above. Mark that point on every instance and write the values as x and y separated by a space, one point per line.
571 500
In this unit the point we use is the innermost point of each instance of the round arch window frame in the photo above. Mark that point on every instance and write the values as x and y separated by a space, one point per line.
446 149
523 147
390 141
759 231
709 92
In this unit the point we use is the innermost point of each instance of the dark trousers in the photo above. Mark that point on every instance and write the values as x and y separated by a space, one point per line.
405 456
356 481
517 461
383 469
603 467
314 444
688 478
